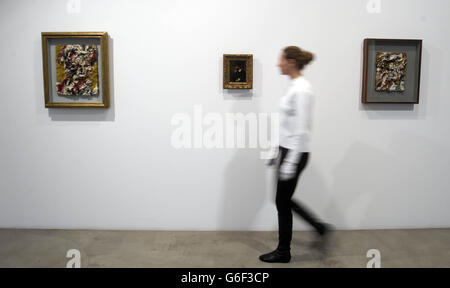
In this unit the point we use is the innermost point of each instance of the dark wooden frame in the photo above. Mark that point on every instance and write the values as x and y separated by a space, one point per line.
248 58
366 66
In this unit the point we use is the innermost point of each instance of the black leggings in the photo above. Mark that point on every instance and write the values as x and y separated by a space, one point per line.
285 205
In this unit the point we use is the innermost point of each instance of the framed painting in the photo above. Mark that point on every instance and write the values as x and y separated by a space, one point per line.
391 71
237 71
76 72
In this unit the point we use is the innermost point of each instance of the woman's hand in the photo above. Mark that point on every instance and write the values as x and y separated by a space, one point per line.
271 162
272 155
287 171
288 168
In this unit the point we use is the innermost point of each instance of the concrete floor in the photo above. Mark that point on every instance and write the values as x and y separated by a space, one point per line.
48 248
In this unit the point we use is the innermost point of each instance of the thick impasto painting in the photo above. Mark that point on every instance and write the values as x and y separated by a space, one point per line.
391 71
76 70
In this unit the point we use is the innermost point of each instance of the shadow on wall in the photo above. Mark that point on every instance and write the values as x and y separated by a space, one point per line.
397 189
244 194
90 114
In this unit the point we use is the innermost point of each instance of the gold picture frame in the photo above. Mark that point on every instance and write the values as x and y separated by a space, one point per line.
96 96
238 71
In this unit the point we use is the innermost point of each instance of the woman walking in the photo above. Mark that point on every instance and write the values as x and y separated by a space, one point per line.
293 151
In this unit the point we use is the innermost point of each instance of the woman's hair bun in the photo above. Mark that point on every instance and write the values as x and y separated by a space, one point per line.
301 57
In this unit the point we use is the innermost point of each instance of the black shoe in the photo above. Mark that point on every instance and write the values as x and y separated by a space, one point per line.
276 256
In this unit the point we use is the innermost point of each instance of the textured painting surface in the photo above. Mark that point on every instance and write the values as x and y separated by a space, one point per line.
391 71
76 70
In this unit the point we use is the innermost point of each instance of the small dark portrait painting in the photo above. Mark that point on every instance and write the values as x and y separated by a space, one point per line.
237 71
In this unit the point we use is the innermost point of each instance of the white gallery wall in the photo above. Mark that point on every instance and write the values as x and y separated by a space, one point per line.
371 166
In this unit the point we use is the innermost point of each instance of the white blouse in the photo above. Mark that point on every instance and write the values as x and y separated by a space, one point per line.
296 115
295 118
